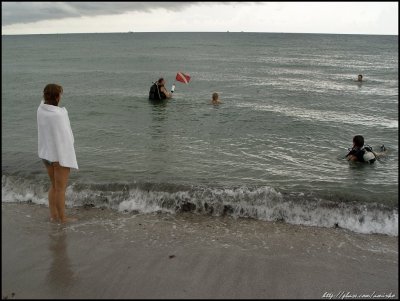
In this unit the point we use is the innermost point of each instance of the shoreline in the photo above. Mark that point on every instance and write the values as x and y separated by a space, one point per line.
359 216
106 254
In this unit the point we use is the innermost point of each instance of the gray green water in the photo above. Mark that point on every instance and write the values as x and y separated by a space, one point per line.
273 150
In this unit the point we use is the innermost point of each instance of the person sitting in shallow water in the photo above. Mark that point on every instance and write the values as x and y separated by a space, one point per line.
363 153
215 99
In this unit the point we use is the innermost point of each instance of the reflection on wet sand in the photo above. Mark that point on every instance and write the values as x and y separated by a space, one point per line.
60 275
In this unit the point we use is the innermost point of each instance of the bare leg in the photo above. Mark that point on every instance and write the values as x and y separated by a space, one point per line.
61 175
52 196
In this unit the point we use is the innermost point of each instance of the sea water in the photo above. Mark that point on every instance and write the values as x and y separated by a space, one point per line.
273 150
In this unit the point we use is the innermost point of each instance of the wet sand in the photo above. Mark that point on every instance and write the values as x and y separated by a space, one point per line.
107 254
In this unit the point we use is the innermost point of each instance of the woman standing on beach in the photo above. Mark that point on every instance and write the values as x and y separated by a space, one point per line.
56 148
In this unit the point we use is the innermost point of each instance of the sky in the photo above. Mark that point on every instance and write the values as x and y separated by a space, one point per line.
380 18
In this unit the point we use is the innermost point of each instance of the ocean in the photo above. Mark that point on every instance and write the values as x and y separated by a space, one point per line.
273 150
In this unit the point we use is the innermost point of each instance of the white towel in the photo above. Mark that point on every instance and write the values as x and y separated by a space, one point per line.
55 138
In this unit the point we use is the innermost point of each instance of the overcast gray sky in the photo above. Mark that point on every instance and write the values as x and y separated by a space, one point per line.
307 17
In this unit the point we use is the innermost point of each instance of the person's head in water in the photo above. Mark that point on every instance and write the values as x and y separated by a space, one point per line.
215 96
358 141
360 77
161 82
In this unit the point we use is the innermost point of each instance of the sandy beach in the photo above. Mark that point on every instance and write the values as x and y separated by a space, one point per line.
109 255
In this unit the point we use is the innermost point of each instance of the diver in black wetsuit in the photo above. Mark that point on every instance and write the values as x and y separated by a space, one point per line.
158 91
363 153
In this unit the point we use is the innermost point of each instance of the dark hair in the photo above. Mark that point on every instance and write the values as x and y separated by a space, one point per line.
358 140
51 94
160 80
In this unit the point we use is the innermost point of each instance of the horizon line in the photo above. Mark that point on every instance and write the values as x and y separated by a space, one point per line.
228 31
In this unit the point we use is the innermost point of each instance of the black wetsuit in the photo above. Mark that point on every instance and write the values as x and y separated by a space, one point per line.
155 93
360 152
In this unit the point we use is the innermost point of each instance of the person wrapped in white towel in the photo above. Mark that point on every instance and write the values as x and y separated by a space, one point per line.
56 148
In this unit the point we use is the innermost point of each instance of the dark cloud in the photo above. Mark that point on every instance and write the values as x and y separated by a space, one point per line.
27 12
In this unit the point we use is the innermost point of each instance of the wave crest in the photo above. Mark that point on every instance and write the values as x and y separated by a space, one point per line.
263 203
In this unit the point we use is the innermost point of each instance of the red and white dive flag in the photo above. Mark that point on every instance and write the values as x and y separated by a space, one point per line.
182 77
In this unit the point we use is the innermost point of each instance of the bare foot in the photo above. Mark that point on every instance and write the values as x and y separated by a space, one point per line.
69 220
53 220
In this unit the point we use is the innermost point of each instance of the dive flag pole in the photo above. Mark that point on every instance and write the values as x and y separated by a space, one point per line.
180 77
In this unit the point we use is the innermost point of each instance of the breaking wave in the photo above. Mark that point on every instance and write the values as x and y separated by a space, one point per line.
262 203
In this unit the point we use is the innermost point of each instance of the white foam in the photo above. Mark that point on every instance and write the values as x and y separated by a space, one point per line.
18 190
267 204
144 202
264 203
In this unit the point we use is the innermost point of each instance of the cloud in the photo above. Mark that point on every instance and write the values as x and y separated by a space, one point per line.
315 17
28 12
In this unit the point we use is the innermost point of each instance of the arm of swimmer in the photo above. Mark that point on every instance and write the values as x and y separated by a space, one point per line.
351 158
379 155
169 95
